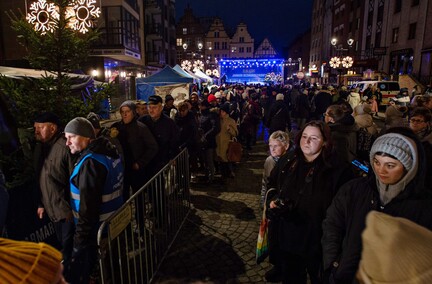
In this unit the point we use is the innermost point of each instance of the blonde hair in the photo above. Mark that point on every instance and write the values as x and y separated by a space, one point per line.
280 136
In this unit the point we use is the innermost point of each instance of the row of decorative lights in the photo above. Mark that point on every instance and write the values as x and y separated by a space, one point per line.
346 62
198 65
81 13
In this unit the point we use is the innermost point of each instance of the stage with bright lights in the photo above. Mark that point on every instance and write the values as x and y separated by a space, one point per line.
252 70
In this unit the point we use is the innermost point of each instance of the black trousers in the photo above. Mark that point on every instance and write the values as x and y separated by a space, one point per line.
295 268
65 232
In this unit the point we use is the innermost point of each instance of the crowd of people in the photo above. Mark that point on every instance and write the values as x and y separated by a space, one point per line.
318 210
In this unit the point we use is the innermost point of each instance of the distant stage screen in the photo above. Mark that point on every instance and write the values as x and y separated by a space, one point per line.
251 70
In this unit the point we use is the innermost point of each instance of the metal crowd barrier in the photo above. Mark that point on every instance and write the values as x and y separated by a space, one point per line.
134 240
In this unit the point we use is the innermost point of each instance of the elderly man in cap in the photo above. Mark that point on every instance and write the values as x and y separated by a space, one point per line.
54 164
139 147
167 136
165 132
96 185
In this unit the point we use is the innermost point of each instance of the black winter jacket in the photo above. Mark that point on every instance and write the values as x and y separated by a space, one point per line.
138 143
209 127
167 134
346 219
278 117
54 178
310 187
344 137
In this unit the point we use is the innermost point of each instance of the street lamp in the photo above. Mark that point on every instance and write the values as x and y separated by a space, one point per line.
185 46
333 41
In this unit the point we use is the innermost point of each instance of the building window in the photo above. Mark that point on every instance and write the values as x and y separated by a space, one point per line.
241 39
380 15
249 49
216 34
398 6
216 46
185 31
179 42
412 31
241 49
224 45
395 35
378 39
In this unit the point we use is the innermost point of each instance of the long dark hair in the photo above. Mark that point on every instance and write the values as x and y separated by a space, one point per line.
327 147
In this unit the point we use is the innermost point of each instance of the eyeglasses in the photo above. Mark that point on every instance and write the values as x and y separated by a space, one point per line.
413 120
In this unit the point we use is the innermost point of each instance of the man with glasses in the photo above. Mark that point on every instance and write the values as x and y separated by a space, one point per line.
420 123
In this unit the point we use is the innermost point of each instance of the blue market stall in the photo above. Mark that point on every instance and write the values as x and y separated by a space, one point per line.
167 76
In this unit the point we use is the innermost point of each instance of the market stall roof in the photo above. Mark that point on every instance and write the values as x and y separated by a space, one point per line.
201 74
165 77
78 80
182 72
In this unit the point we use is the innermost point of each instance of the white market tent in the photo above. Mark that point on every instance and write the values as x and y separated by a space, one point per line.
179 70
201 74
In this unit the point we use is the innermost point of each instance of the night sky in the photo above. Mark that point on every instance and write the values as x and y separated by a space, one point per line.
281 21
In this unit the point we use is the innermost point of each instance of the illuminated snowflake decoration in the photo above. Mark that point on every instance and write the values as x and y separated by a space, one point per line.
186 65
347 62
43 16
215 72
335 62
279 78
272 77
82 13
208 72
198 64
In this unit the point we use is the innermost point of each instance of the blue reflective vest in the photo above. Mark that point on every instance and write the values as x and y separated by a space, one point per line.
112 193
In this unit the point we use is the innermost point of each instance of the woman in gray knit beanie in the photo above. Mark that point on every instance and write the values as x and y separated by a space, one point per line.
394 161
395 186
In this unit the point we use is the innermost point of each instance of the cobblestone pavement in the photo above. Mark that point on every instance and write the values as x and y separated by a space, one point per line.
218 240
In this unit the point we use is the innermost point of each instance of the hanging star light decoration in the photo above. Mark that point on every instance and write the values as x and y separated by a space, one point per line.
43 16
186 64
208 72
347 62
215 72
82 13
335 62
198 64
